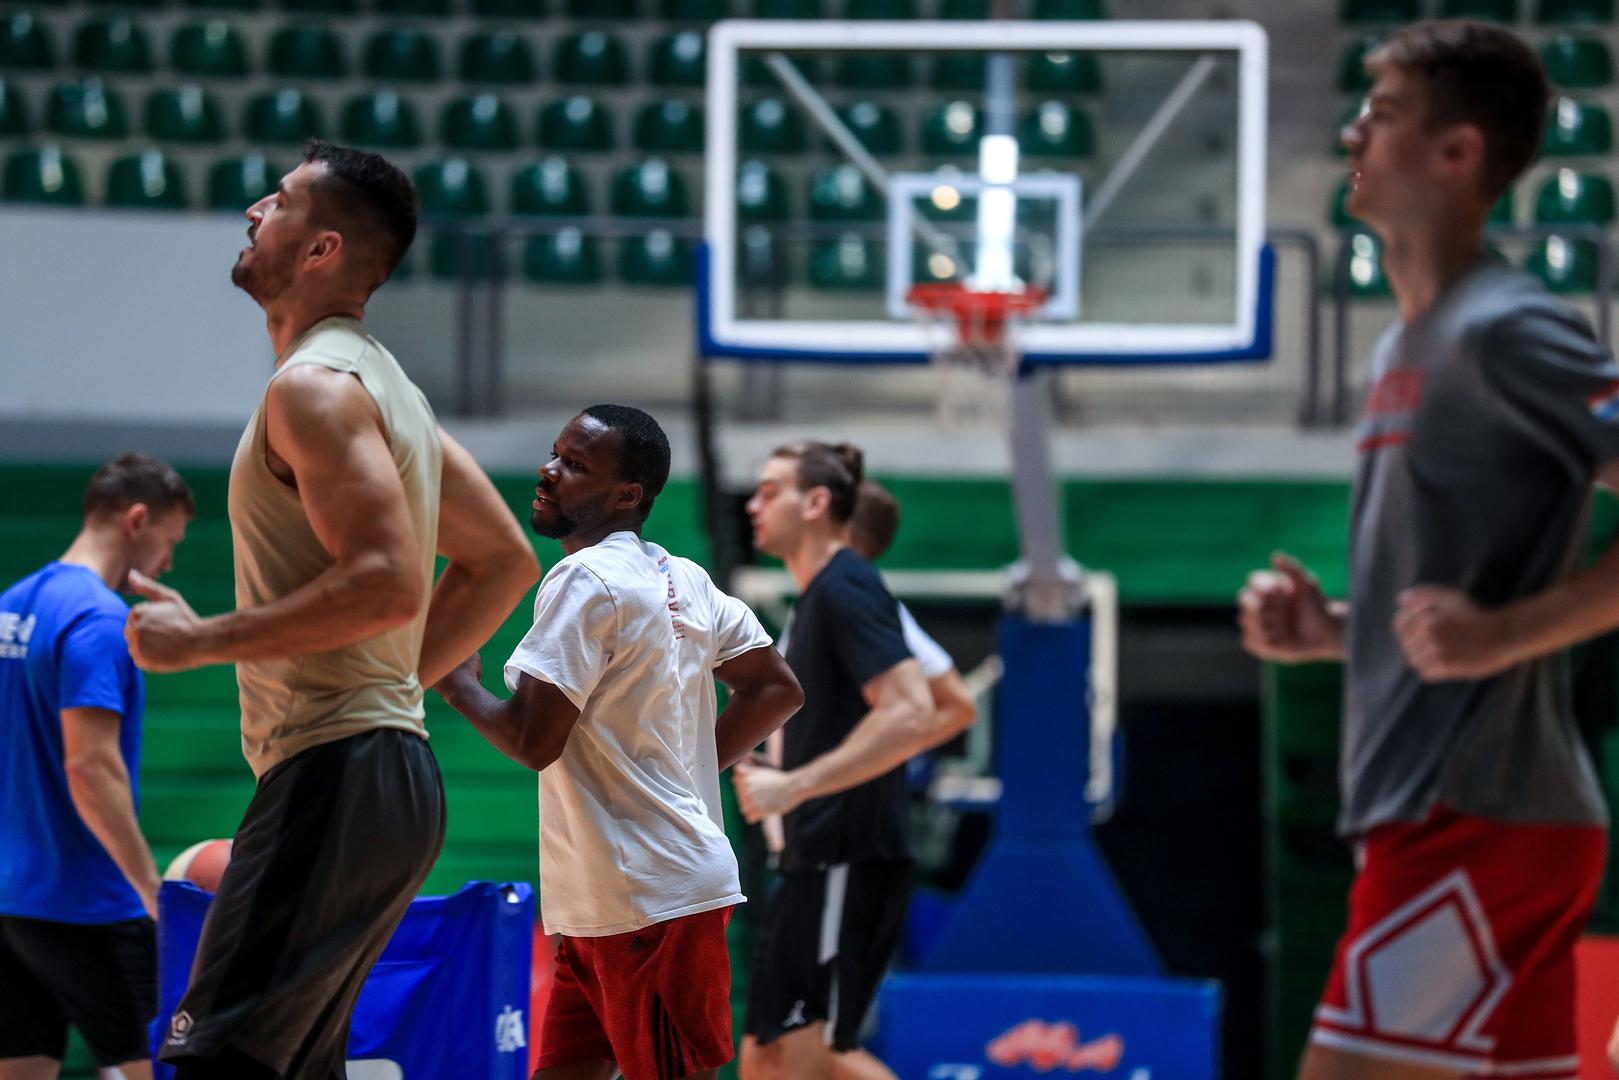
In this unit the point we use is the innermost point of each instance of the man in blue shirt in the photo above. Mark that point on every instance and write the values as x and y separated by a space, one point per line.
78 886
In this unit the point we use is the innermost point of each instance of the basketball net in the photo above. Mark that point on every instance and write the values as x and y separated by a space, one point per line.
973 344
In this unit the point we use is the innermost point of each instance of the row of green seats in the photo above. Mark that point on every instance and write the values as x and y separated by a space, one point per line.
1566 264
1547 12
1572 62
672 10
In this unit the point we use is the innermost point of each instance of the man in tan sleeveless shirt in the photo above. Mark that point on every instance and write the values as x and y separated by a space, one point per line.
342 491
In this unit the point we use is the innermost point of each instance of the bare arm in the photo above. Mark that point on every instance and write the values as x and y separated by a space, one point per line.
327 429
491 565
531 727
902 723
764 693
1286 617
101 791
953 703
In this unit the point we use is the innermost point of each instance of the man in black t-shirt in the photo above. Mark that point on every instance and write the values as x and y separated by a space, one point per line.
832 927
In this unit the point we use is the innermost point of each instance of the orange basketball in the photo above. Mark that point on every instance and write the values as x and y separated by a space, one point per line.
202 864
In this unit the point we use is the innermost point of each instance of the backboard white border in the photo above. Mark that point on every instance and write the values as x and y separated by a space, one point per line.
722 333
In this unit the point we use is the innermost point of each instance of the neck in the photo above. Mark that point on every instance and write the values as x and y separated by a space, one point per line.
583 538
1425 260
811 557
290 319
99 551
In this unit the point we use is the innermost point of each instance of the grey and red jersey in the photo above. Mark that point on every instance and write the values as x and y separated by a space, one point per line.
1487 420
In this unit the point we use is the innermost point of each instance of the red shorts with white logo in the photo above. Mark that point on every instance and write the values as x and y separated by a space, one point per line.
656 1000
1460 949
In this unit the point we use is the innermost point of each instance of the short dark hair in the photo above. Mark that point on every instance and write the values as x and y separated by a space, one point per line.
838 467
1481 74
875 521
643 448
369 200
137 478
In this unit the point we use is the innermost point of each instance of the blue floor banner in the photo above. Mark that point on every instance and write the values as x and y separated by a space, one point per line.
449 997
988 1027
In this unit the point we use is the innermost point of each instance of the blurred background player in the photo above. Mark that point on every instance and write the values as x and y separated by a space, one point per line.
342 490
833 924
78 885
1475 810
613 704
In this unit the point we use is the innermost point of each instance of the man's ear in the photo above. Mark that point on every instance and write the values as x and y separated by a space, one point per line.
325 247
817 502
134 519
629 496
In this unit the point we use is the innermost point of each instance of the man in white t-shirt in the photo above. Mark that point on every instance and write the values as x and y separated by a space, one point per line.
613 703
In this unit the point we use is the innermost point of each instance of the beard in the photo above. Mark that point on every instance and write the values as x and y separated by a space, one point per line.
265 278
554 527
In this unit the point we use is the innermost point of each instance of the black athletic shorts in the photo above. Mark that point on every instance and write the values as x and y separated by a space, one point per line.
100 979
333 848
827 939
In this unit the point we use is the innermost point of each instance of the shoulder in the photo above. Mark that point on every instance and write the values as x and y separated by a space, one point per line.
1511 314
852 581
577 573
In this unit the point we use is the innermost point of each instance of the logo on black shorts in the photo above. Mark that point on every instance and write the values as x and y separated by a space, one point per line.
795 1017
180 1028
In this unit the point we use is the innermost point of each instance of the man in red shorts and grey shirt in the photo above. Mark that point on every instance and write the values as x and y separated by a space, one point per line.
1478 822
613 703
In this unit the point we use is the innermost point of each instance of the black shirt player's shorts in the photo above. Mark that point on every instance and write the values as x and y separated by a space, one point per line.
101 979
333 848
827 939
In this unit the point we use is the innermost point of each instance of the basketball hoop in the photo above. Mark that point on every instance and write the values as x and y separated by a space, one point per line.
972 340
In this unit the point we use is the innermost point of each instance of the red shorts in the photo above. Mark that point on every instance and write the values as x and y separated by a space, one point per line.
656 1000
1460 949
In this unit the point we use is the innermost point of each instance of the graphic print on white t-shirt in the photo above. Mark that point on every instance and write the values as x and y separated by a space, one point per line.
630 825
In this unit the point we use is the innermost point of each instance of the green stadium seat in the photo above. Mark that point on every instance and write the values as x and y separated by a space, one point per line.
678 60
964 9
875 126
1504 11
565 257
576 123
787 9
45 175
184 114
13 110
650 189
841 193
952 128
307 52
383 119
1361 12
1569 197
1577 129
501 56
958 71
422 8
1564 264
146 181
591 58
1353 77
87 110
550 187
1053 129
401 55
225 5
213 48
236 183
658 258
116 44
322 7
770 126
879 9
1502 212
874 71
850 261
480 122
600 9
1063 73
1340 216
761 194
1573 12
694 10
1366 278
452 188
25 43
1577 63
1070 9
509 9
284 117
669 127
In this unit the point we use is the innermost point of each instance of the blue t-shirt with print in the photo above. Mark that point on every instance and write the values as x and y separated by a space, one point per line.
61 647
